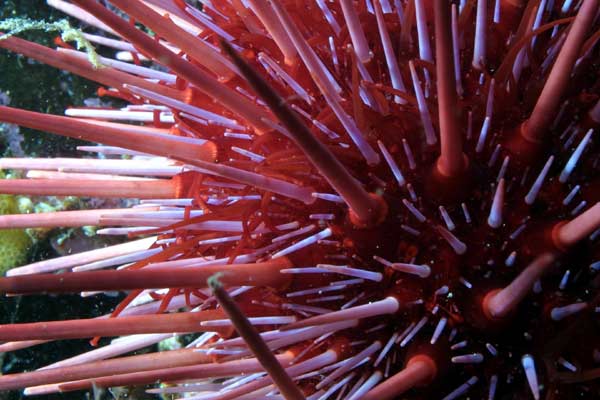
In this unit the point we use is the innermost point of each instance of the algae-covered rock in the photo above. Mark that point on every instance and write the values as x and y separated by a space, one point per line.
14 243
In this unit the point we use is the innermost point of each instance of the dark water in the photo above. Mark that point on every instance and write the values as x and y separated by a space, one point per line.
33 86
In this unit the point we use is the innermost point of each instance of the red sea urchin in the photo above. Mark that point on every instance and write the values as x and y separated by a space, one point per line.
292 146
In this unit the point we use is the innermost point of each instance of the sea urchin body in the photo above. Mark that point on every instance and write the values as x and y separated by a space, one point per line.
396 198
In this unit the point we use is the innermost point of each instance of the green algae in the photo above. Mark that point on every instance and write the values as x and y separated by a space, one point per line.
16 26
15 244
38 87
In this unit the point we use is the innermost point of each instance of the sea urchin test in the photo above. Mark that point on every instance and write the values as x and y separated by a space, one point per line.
392 199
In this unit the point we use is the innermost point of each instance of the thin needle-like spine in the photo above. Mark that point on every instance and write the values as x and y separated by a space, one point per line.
479 46
495 216
528 364
422 31
195 75
357 34
325 84
456 51
253 340
266 15
572 163
390 57
178 36
359 200
430 136
539 181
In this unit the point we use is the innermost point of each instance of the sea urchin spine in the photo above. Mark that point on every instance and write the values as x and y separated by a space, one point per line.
280 151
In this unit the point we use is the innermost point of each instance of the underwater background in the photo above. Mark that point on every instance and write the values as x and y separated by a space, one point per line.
33 86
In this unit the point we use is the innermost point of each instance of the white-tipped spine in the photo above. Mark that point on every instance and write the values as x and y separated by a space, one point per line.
528 364
495 216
